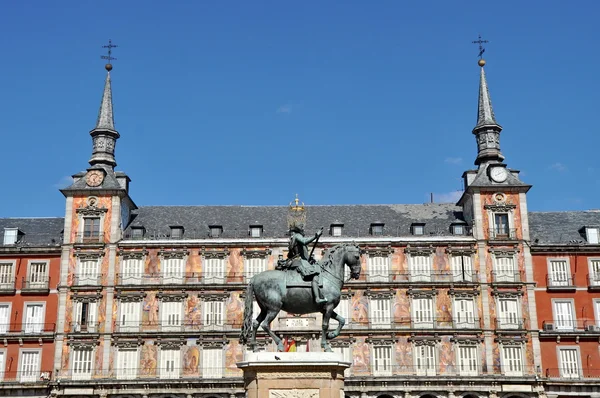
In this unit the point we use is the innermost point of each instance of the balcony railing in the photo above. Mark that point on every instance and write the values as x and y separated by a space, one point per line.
570 325
560 282
408 323
502 233
507 277
137 327
593 281
84 327
141 373
26 328
507 323
39 284
573 372
90 237
86 280
7 285
27 376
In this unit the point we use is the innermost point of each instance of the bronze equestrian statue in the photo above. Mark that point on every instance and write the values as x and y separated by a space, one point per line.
299 259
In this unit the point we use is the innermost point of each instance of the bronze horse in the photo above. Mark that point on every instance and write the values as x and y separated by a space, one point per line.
277 290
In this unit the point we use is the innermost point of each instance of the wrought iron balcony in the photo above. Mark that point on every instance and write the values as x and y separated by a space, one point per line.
564 325
27 328
572 372
40 285
502 233
593 281
560 282
510 323
26 376
134 373
91 237
7 285
508 278
187 278
87 280
415 324
158 326
84 327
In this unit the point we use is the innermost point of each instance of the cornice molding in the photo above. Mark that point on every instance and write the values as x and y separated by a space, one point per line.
132 254
176 253
86 298
380 294
129 297
256 253
172 296
378 251
88 254
418 293
419 250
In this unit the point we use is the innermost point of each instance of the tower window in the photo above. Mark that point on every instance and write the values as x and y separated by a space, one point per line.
501 224
336 229
418 229
377 229
91 228
215 231
256 231
176 232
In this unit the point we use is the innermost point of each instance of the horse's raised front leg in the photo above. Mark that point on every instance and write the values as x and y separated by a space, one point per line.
341 323
266 323
324 327
255 325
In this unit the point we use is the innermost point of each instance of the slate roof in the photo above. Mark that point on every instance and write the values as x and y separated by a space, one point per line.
563 227
35 231
235 220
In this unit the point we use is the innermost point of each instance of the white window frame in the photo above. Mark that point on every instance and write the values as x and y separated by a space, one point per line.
594 270
572 370
7 280
425 365
512 366
171 316
380 312
212 370
5 325
592 237
82 218
504 273
471 367
378 268
133 324
214 269
132 270
255 231
493 226
254 265
210 319
510 320
464 317
336 230
32 374
462 267
92 316
81 368
2 363
168 370
557 276
382 359
564 321
39 281
91 275
34 326
596 303
422 321
172 273
12 238
123 372
420 271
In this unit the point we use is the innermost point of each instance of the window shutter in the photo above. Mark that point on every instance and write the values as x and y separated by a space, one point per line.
130 316
170 315
420 268
379 312
82 364
564 315
30 366
6 278
425 361
214 271
212 363
4 320
595 272
342 310
513 362
464 313
383 360
170 363
467 360
569 363
559 275
127 364
423 312
509 314
378 269
132 271
462 269
34 318
91 316
2 364
37 274
173 269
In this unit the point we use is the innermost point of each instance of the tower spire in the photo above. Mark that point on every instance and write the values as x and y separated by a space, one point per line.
487 130
104 135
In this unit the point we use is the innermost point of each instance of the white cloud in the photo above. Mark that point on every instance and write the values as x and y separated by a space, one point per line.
453 160
287 109
447 197
558 166
63 182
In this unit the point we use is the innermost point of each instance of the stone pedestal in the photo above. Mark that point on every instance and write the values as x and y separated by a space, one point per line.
294 375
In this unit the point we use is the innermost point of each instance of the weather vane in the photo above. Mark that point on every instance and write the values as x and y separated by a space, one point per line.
108 57
481 48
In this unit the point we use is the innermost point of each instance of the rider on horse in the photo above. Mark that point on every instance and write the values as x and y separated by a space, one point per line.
298 258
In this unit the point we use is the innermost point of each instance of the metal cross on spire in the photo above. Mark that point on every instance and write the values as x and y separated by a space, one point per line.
108 57
481 48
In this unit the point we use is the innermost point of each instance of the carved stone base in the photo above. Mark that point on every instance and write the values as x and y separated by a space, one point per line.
294 375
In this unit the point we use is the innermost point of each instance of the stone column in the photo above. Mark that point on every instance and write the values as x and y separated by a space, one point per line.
293 374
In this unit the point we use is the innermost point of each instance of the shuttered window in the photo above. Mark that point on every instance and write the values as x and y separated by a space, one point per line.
129 316
382 358
379 309
4 318
462 268
170 363
82 364
2 364
170 317
173 269
38 274
133 268
422 312
559 273
212 363
467 361
212 314
425 360
253 266
505 269
595 272
30 366
7 280
464 313
564 316
85 317
569 363
508 313
214 270
420 268
127 363
34 318
379 269
512 360
88 272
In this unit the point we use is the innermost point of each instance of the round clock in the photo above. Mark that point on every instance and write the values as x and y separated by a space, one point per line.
94 178
499 174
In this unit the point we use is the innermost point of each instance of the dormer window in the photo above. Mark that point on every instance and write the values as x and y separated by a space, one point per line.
591 235
417 229
336 229
457 229
176 232
215 231
256 231
377 228
137 232
10 236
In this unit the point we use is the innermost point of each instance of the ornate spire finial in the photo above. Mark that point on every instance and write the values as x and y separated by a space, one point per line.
108 57
296 214
480 42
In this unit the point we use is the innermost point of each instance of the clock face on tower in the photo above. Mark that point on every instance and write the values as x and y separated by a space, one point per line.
94 178
499 174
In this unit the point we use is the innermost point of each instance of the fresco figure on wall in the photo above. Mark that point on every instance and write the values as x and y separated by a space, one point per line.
233 354
148 361
190 361
193 315
359 308
361 358
234 310
151 310
152 268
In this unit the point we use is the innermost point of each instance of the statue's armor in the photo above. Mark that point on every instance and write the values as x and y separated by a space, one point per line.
298 254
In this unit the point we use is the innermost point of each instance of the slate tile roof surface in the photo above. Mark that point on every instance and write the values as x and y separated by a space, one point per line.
562 227
356 219
35 231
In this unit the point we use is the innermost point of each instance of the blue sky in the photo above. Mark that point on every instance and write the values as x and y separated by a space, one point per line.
238 102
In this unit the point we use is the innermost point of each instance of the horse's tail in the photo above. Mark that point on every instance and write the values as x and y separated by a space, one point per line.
247 323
